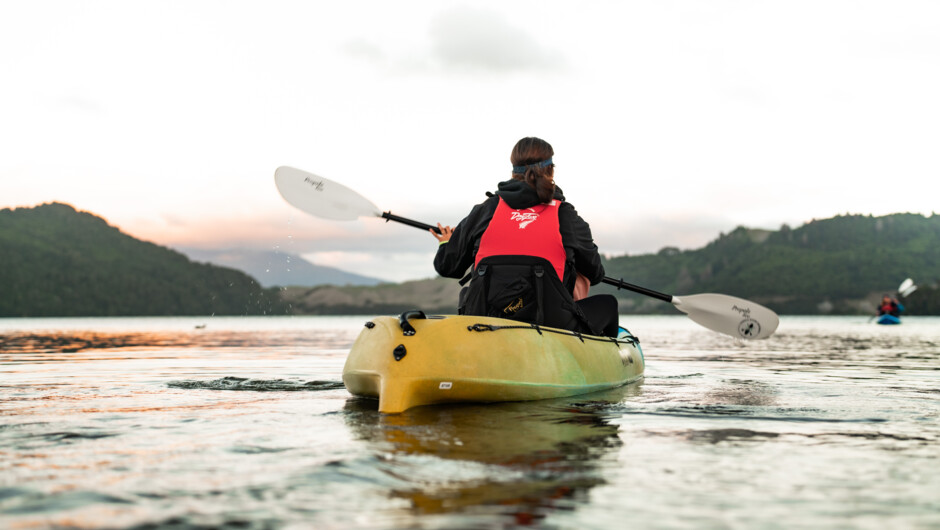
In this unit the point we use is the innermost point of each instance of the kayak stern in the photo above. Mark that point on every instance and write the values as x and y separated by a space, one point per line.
479 359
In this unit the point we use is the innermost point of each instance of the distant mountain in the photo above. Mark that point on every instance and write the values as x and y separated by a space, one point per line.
56 261
273 268
840 265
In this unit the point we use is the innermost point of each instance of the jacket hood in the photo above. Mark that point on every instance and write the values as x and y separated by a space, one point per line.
518 194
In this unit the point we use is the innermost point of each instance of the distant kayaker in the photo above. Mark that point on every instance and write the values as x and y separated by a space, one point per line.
889 306
532 256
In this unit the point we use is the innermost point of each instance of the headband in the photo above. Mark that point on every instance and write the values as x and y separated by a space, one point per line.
522 169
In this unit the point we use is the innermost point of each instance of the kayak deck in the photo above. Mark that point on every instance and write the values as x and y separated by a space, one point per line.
888 319
414 360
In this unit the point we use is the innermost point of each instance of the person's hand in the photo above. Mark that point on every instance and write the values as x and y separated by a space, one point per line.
581 287
445 234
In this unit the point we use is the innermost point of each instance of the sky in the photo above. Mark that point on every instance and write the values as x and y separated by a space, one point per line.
671 121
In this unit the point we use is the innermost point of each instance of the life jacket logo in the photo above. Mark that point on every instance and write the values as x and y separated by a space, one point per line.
513 307
524 218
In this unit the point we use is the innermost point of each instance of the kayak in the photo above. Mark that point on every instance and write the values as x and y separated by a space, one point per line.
889 319
414 360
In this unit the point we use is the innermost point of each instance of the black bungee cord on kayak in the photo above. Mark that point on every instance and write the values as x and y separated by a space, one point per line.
492 327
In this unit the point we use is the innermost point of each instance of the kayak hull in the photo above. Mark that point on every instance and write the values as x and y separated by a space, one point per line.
889 320
454 359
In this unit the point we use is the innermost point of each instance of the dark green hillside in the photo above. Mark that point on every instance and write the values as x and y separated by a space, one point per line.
56 261
924 301
836 265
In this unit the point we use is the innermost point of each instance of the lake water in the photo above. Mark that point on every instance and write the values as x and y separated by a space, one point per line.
244 423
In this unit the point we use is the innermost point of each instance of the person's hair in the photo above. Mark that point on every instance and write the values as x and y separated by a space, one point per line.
530 151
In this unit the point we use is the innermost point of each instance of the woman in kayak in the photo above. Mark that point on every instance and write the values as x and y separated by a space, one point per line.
532 256
889 306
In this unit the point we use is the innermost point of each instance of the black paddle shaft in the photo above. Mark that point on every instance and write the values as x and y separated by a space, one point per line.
619 284
389 216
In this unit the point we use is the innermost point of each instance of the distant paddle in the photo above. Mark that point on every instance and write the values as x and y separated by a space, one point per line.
321 197
907 287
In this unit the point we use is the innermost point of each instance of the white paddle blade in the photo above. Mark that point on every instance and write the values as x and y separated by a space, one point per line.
907 287
322 197
729 315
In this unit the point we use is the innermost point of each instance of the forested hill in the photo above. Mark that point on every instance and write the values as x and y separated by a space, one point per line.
56 261
838 265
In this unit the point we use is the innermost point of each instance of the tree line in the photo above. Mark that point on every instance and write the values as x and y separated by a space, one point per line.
837 265
57 261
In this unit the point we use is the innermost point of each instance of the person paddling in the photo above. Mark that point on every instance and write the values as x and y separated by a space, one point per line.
532 257
890 306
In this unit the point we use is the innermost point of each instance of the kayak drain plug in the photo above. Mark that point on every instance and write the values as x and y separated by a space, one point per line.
399 352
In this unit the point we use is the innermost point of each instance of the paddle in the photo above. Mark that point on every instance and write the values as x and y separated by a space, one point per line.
324 198
907 287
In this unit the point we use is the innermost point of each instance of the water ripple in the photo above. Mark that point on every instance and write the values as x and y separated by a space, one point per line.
256 385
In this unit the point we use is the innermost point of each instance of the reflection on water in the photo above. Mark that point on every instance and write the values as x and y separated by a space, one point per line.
531 459
162 423
71 342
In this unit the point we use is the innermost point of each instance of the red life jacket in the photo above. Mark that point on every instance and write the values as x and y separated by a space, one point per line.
525 232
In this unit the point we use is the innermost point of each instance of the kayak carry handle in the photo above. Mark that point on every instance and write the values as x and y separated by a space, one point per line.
406 328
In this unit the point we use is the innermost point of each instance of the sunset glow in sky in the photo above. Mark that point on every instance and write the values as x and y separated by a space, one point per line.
671 121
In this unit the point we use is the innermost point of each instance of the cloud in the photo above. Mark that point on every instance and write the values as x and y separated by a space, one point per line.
83 104
464 40
364 50
477 40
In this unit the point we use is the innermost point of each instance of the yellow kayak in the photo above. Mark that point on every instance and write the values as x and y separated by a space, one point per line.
414 360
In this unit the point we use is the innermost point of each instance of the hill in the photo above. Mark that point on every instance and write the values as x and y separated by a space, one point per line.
273 268
433 296
840 265
57 261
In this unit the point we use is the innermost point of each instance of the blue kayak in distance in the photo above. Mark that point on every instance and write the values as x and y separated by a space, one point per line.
887 319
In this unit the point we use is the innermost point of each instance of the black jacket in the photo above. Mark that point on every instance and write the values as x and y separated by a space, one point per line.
454 258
